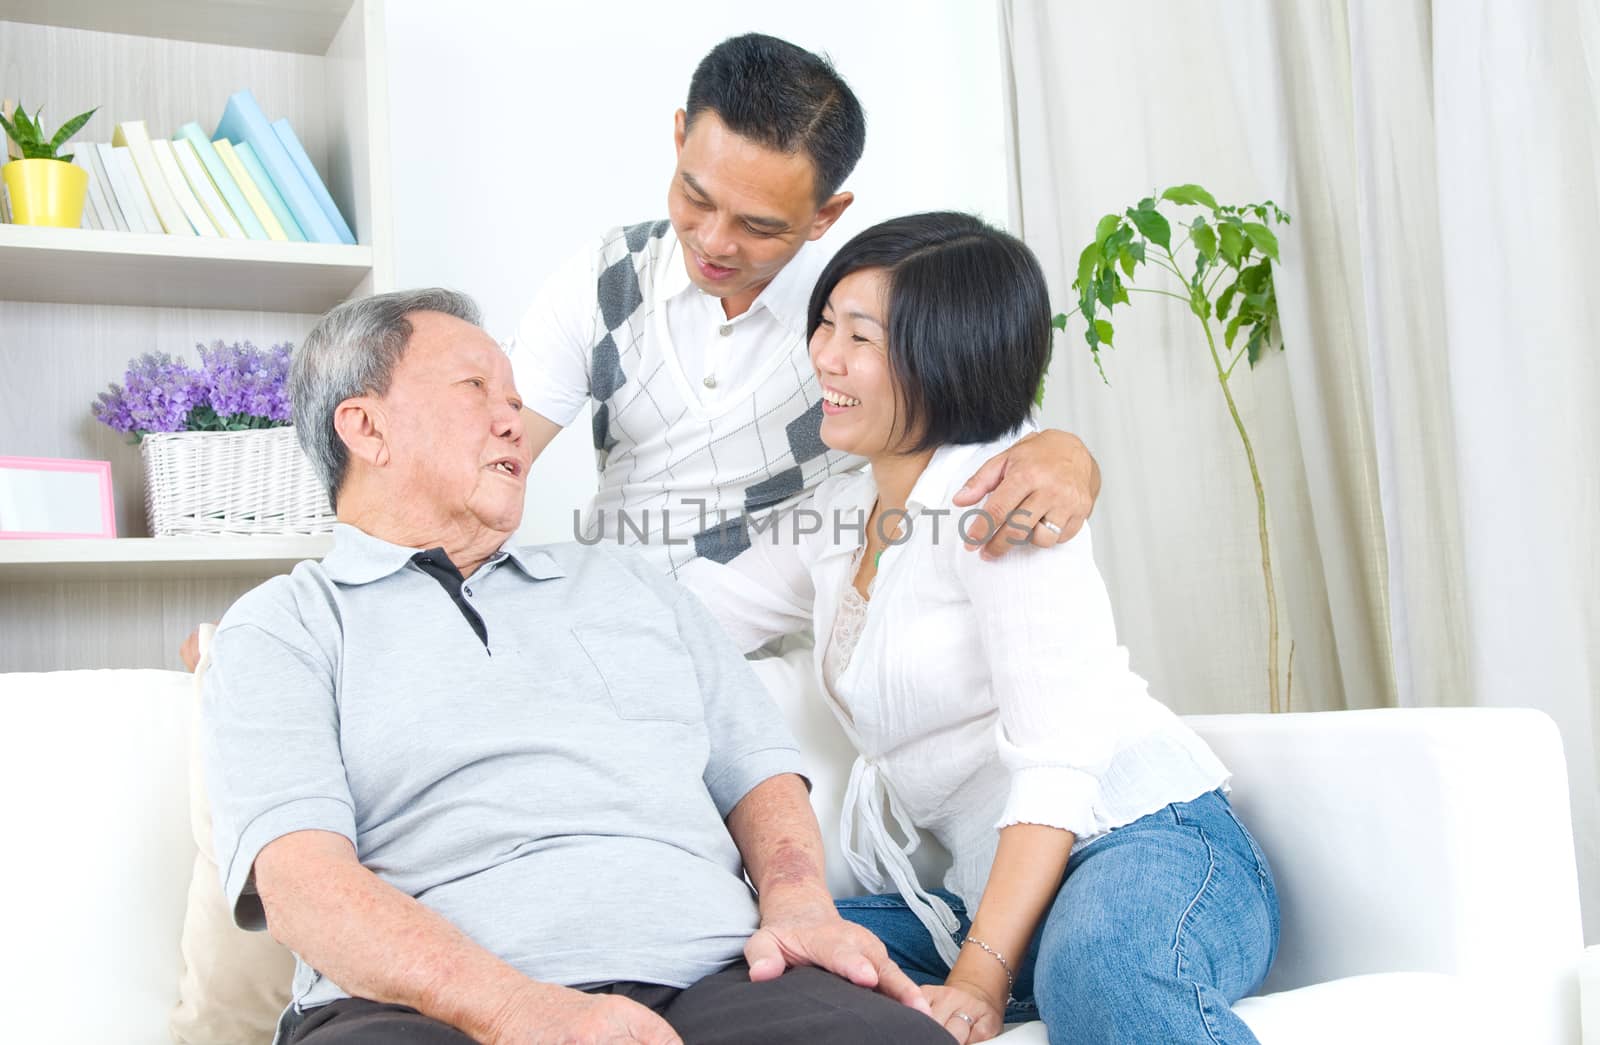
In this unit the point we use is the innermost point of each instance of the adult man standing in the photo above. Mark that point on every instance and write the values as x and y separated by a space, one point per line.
499 793
688 334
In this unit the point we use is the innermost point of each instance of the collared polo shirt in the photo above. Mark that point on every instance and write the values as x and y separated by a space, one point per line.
557 790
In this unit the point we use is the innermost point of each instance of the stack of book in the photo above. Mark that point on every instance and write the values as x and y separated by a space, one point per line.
251 179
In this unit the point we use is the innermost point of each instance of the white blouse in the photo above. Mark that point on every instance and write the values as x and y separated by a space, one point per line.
979 695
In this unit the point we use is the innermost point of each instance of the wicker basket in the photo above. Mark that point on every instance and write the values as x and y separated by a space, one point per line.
250 482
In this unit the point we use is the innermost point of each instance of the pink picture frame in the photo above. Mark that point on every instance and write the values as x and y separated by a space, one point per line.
55 497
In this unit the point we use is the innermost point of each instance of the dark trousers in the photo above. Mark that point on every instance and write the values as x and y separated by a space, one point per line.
802 1007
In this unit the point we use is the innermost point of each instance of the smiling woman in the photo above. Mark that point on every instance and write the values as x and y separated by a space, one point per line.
993 694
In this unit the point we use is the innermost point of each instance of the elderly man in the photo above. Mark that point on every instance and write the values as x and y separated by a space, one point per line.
507 794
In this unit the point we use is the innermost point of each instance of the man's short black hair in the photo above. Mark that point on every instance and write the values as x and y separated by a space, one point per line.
968 325
783 97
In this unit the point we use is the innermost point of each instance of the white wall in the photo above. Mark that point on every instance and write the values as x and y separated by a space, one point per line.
521 130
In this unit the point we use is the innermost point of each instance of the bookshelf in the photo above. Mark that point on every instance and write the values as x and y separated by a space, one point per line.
76 305
156 558
85 267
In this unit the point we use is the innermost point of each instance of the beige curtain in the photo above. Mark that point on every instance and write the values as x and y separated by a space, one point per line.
1429 437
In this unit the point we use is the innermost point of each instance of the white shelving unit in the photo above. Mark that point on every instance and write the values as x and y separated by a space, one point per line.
76 305
84 267
156 558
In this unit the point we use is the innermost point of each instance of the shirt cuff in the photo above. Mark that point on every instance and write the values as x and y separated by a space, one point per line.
1053 796
741 776
302 814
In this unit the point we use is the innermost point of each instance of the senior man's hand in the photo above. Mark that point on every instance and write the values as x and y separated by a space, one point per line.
807 930
549 1015
1046 477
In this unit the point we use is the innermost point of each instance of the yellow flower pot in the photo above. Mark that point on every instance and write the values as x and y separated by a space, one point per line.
46 192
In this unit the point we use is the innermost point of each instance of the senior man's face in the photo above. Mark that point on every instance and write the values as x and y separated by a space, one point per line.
454 423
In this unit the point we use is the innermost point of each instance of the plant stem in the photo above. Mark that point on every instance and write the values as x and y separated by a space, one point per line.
1261 524
1236 356
1163 293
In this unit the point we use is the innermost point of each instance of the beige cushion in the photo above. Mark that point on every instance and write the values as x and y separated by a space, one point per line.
234 983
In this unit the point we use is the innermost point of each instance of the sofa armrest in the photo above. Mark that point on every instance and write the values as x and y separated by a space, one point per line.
1420 839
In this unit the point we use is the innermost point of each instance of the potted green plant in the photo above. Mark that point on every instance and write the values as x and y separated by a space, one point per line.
1232 244
46 189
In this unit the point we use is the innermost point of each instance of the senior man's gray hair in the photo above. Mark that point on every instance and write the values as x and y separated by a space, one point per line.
352 351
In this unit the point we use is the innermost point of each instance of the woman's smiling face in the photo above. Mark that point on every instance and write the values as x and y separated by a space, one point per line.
861 405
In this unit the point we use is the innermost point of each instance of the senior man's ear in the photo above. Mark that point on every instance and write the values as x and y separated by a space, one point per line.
360 422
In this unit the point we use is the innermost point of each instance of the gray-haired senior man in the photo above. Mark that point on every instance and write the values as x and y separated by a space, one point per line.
507 794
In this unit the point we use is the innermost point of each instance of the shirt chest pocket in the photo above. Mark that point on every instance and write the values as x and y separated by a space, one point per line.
647 674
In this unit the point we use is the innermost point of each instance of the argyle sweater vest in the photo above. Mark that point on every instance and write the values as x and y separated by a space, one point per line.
679 479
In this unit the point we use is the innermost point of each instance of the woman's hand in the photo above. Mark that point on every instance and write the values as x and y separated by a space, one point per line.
966 1010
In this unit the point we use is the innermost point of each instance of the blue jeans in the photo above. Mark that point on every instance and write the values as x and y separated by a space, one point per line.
1157 929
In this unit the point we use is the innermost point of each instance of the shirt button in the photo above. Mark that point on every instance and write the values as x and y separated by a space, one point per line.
710 381
468 591
725 329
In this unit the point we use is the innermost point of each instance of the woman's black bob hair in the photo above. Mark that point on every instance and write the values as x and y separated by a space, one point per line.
968 324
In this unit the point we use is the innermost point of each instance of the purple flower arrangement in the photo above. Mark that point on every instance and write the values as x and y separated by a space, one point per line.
235 388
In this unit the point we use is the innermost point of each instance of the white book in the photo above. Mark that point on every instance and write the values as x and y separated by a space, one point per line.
94 210
169 215
206 190
132 213
179 185
107 188
138 197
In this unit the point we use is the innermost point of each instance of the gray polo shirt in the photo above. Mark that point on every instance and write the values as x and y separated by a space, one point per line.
556 788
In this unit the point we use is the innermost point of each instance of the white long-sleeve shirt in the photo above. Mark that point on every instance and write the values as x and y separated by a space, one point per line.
980 694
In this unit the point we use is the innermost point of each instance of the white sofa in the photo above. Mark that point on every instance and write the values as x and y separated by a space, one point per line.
1424 860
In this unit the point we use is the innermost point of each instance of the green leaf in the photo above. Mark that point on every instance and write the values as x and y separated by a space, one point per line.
1225 300
1060 321
1231 242
1148 203
1205 239
1190 194
71 127
1103 331
1263 238
1233 330
1126 257
1257 278
1086 265
1252 347
1107 226
1105 289
1137 250
26 134
1119 296
1153 227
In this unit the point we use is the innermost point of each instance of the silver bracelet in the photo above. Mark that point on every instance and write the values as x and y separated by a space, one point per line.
1011 978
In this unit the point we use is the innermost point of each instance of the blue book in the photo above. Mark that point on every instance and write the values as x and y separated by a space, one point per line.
243 123
319 189
269 191
235 200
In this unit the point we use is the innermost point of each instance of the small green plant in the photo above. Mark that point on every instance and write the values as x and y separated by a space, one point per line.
30 137
1232 245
